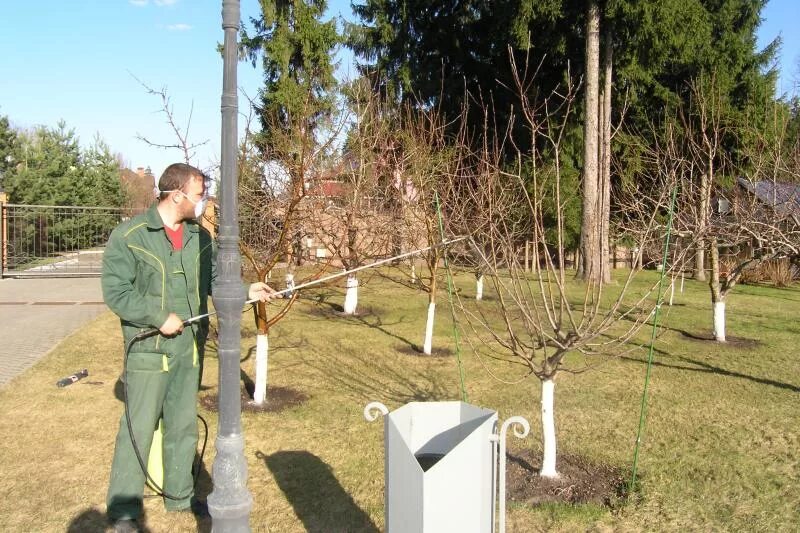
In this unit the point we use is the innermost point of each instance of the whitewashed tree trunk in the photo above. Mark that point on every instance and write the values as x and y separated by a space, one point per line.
426 347
351 295
289 285
548 430
672 291
479 288
719 321
413 273
262 358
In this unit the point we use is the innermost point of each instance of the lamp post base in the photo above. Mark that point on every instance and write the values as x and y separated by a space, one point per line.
230 502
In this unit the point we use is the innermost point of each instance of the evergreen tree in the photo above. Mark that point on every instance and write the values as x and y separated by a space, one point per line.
48 168
295 48
8 147
100 180
51 169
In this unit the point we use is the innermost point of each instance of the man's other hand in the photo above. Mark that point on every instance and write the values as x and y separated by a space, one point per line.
260 291
172 326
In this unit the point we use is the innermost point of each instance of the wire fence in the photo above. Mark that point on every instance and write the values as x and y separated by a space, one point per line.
55 241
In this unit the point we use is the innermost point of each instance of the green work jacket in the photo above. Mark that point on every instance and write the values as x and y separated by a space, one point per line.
144 280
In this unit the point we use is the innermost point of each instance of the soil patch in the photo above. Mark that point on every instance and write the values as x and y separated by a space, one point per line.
278 399
731 341
580 481
416 351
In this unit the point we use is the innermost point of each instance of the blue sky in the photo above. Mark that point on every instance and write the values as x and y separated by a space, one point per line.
77 60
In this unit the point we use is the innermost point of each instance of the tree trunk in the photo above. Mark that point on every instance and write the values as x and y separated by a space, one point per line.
605 162
479 288
590 228
289 285
703 207
351 295
672 290
717 296
548 430
262 353
262 364
427 345
719 321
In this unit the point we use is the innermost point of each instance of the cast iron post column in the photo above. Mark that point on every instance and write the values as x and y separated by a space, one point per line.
230 501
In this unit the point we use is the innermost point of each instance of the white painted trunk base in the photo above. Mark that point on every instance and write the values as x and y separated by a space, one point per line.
413 273
262 358
479 288
426 348
289 285
719 321
672 291
351 295
548 430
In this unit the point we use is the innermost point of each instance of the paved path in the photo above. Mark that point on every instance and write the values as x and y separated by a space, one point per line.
37 314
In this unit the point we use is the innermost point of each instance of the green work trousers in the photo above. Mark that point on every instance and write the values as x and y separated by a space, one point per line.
160 385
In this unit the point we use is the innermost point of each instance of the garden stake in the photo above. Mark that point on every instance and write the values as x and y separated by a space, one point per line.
643 409
452 309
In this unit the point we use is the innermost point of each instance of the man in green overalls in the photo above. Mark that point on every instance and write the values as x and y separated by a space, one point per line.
158 270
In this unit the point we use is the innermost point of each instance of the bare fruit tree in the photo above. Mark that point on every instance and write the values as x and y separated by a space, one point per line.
425 162
741 212
274 215
754 220
544 322
353 214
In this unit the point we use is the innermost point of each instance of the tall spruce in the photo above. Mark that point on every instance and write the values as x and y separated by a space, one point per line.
295 48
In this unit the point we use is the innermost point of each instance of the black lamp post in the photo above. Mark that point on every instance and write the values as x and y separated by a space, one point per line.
230 502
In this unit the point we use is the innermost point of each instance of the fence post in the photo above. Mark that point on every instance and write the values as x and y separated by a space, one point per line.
3 234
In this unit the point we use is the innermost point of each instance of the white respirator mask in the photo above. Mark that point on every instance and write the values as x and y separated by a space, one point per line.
199 206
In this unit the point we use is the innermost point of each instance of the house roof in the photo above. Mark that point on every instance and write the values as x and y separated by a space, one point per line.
783 197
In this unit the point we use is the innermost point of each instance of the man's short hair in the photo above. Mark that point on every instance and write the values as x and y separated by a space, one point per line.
176 176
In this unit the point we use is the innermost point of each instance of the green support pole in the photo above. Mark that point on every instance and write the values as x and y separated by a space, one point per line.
643 409
456 338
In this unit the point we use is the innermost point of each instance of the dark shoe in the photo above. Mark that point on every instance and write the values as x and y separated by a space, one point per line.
125 526
199 509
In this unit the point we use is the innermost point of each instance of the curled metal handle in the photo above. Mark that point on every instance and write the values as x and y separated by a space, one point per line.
520 425
373 410
521 430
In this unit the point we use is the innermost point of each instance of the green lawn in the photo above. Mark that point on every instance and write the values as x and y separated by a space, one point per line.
719 450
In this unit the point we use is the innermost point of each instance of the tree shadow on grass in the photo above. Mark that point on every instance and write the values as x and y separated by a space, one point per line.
368 376
711 369
366 317
315 494
377 324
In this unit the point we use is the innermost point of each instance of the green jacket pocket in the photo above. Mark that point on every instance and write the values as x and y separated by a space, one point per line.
146 362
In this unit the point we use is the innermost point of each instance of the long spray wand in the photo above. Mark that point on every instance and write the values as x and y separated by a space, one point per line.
340 274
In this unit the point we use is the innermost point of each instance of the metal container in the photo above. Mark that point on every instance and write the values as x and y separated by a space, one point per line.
440 467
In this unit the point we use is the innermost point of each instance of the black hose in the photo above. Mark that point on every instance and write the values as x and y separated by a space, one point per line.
198 462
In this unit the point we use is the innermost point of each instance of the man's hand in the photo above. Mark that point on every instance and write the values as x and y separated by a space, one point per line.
260 291
172 326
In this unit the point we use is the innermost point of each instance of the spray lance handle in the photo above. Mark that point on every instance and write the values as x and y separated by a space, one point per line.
69 380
